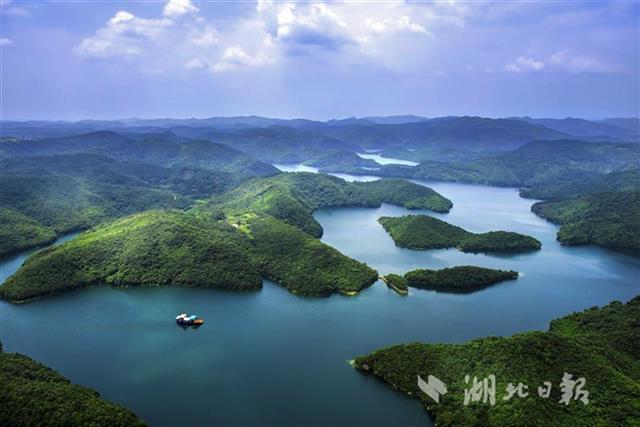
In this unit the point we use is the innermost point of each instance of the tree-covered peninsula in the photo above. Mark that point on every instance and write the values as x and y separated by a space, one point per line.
609 219
32 394
292 198
152 248
264 228
396 282
601 345
425 232
342 161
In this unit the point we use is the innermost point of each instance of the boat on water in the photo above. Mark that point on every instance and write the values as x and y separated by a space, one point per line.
188 320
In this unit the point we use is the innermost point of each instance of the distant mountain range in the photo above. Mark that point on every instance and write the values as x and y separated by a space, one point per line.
298 140
613 127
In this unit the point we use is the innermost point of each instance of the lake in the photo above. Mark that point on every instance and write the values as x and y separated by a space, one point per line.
271 358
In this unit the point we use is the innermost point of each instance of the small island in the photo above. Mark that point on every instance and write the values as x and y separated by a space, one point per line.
421 232
33 394
598 344
461 279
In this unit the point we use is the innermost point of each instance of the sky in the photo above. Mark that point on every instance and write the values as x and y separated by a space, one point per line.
71 60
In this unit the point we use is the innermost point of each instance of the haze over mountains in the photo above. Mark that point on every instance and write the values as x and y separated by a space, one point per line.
297 140
63 176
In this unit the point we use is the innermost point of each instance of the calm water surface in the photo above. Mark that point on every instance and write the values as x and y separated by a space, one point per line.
386 160
271 358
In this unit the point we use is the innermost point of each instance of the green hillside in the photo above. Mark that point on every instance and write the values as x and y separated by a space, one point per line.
18 231
535 164
627 180
303 264
33 395
342 161
407 194
609 219
152 248
600 345
56 204
262 228
292 197
425 232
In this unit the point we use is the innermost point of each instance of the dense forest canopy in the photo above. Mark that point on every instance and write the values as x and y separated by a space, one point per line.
421 232
33 394
600 345
610 219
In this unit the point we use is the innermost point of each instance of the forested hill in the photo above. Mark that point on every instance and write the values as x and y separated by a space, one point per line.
152 149
601 345
53 186
625 180
536 163
263 228
293 197
342 161
420 232
33 394
610 219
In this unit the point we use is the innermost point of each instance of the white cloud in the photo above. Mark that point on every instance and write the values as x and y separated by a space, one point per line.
6 42
179 7
174 40
235 57
181 36
524 64
563 61
395 24
567 60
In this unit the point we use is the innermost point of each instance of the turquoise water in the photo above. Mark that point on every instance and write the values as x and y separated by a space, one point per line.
271 358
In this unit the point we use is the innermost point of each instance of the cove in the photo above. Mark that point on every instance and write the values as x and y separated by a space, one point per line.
270 357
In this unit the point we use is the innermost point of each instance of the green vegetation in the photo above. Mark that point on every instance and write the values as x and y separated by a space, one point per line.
263 228
535 164
611 220
628 180
499 241
601 345
303 264
33 394
154 149
152 248
457 279
292 198
60 185
18 231
59 204
396 282
425 232
342 161
407 194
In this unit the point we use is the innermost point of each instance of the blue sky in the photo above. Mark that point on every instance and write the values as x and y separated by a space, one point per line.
182 58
